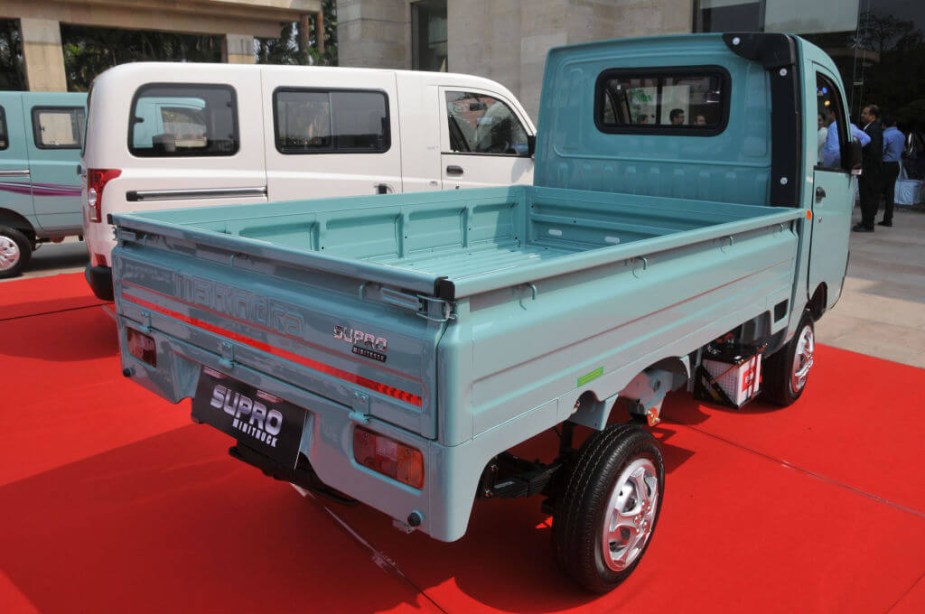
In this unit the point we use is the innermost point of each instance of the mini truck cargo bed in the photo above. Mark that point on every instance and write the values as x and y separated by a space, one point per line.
460 322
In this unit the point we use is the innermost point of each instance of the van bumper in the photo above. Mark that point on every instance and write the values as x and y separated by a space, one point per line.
100 280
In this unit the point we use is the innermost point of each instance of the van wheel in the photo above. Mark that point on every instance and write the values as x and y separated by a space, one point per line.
607 513
787 370
15 252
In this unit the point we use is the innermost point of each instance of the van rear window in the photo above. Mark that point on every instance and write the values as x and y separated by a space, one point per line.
170 120
681 101
58 127
331 121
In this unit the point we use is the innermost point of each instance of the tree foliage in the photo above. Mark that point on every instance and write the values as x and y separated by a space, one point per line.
286 48
12 73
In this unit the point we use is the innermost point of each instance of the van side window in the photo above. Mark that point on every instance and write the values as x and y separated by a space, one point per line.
685 101
479 123
169 120
331 121
4 134
58 127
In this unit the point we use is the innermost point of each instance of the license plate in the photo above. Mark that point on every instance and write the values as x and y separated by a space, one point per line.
258 420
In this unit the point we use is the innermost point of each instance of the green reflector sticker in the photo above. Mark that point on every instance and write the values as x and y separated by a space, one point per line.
589 377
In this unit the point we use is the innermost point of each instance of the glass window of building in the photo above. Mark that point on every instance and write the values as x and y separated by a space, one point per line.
878 46
428 35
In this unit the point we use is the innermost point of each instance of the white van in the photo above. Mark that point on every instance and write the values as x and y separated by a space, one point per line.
164 135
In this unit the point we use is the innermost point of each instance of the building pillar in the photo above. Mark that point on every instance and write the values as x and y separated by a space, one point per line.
43 55
319 32
239 49
374 33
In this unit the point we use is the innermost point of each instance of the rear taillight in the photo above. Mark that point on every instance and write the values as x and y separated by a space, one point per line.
97 178
141 346
388 457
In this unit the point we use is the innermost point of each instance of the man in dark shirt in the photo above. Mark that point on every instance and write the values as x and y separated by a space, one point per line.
871 182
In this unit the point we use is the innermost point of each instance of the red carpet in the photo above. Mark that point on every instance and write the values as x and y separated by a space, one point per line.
113 501
26 297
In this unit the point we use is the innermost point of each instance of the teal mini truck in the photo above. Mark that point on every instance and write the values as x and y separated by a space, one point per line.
394 349
41 134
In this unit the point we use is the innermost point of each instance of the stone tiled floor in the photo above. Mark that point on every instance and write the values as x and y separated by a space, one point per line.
882 309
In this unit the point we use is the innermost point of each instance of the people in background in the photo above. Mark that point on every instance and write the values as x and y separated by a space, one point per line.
894 142
700 120
870 184
677 117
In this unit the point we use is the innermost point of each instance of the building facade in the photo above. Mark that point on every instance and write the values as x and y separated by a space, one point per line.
878 45
238 22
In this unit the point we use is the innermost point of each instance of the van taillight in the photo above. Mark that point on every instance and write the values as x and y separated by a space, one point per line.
388 457
97 178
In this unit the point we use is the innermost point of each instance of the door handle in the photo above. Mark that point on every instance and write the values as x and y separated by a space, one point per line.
820 194
454 170
383 188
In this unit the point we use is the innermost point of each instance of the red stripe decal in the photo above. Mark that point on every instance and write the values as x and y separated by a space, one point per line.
396 393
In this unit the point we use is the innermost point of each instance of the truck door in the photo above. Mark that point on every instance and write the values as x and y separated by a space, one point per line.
484 141
15 181
833 197
331 134
56 135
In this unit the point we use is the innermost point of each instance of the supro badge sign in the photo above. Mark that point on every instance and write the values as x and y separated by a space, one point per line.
257 419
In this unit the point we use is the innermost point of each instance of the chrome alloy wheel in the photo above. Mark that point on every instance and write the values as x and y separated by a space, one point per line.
803 358
630 514
9 253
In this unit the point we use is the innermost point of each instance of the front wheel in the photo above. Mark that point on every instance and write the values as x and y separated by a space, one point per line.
15 252
787 370
607 514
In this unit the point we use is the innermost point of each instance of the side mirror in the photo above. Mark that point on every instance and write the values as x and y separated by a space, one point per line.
531 144
854 157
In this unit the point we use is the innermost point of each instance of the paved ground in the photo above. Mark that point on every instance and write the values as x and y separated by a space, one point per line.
882 309
881 312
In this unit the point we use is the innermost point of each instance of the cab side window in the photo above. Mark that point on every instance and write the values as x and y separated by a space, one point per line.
58 127
331 121
184 119
482 124
4 134
832 132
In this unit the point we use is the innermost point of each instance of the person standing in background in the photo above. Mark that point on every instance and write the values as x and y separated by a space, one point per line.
821 136
871 182
894 142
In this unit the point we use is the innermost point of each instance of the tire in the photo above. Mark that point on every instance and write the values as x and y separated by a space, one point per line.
615 488
786 372
15 252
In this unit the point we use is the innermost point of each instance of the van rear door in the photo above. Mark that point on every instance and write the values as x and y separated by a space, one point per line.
334 133
15 181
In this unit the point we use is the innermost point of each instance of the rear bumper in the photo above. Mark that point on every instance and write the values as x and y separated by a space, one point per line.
100 280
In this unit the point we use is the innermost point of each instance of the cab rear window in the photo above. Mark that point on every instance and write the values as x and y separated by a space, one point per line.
179 120
689 101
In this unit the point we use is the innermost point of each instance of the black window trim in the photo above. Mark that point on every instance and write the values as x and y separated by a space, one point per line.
37 127
151 153
4 130
332 149
705 70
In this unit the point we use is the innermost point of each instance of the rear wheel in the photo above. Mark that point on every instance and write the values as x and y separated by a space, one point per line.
610 505
787 370
15 252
